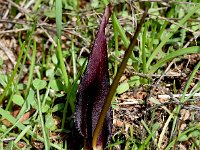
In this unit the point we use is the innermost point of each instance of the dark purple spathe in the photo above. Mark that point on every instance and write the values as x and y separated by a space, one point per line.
93 90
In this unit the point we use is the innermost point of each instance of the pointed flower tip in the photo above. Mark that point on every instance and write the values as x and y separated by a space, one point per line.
108 11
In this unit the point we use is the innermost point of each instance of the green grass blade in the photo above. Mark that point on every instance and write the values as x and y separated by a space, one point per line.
118 26
26 50
144 68
73 60
145 126
153 36
32 67
21 135
10 129
120 30
116 44
151 133
60 57
189 50
180 135
58 18
169 15
46 95
182 99
62 65
164 130
169 35
11 79
142 147
46 143
71 96
37 4
22 127
22 46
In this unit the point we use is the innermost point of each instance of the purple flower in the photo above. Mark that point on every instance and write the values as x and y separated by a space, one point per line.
93 90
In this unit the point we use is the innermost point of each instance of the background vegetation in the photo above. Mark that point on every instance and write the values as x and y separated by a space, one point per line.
39 74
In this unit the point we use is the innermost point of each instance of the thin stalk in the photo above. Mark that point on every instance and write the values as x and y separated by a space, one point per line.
115 83
66 80
43 59
116 44
73 60
62 65
46 143
24 58
50 53
153 36
30 77
10 100
143 50
46 94
164 129
182 99
58 18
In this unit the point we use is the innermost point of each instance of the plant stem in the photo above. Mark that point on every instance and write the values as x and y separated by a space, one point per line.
58 18
144 62
73 59
31 69
42 122
116 44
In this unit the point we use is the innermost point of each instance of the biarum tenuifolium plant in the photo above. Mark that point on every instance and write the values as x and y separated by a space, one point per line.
93 118
93 90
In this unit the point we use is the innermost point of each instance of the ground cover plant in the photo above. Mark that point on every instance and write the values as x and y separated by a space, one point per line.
44 50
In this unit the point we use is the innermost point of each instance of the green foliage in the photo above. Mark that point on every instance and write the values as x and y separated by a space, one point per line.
123 87
18 99
39 84
52 77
